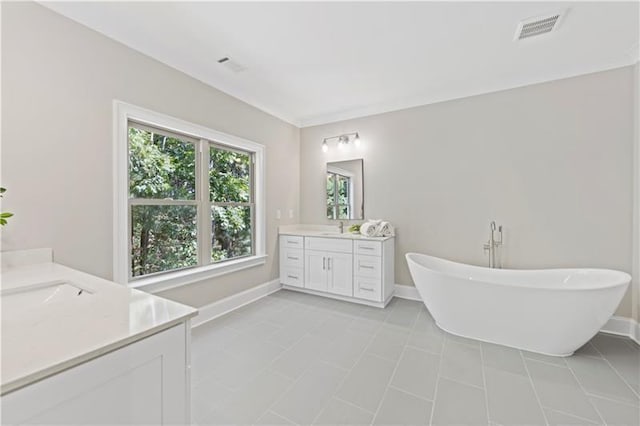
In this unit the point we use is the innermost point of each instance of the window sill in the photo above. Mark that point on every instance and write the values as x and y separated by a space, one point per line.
180 278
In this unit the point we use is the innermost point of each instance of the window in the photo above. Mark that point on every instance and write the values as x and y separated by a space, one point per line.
192 201
339 199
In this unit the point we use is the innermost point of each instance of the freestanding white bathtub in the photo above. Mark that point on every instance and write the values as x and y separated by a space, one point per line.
553 311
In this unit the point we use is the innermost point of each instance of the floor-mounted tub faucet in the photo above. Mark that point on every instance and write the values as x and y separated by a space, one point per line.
493 244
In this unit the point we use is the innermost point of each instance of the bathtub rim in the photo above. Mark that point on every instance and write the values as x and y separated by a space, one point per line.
622 278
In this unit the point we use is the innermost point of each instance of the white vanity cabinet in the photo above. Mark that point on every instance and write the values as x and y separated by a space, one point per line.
329 265
292 260
370 269
146 382
81 350
345 267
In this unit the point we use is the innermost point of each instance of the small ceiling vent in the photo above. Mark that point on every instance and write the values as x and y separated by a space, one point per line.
538 25
231 64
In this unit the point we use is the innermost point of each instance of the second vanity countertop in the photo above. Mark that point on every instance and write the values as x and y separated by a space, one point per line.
324 231
46 338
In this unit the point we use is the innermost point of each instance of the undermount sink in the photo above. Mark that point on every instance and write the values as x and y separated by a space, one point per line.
41 294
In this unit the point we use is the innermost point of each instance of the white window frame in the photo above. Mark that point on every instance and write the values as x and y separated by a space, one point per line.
123 113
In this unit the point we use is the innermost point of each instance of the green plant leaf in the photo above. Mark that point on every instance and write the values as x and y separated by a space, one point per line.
3 222
5 215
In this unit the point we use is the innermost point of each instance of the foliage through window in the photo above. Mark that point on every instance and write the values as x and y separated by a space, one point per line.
338 196
191 201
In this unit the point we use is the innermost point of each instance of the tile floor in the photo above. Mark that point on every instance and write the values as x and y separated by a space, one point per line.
292 358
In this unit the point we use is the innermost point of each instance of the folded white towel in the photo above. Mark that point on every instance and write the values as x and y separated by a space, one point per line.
369 229
377 228
386 229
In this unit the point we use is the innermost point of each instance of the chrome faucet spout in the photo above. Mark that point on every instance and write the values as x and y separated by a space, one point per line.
341 225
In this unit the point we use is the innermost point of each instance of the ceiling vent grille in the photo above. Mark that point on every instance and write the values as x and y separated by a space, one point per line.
231 64
537 26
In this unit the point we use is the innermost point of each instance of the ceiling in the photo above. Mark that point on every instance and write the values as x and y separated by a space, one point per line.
316 62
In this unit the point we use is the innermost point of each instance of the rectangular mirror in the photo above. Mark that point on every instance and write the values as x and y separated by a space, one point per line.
345 190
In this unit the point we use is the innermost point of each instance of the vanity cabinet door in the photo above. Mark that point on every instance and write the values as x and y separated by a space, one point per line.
315 270
146 382
340 274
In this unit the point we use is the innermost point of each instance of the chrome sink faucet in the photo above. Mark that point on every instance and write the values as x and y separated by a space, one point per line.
493 244
341 227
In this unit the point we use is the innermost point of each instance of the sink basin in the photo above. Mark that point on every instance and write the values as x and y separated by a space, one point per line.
41 294
334 234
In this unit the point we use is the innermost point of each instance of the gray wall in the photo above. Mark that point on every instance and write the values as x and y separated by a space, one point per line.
58 83
551 162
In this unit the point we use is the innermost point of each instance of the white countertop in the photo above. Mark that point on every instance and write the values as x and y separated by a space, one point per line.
325 231
42 340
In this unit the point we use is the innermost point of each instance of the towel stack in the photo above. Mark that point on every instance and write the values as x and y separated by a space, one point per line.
377 228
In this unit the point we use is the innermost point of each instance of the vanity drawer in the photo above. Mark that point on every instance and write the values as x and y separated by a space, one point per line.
372 248
368 288
329 244
292 241
292 276
368 266
291 257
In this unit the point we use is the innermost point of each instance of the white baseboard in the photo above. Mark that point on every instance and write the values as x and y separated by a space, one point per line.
623 326
228 304
406 292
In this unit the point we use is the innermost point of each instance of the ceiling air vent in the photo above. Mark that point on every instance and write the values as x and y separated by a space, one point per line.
538 25
231 64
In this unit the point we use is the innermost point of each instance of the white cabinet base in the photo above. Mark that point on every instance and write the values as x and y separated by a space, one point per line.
146 382
338 297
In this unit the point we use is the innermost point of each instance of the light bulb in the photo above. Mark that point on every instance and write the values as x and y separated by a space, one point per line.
325 147
356 141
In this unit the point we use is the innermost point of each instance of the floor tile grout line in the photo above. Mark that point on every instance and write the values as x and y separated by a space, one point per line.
526 358
417 348
570 414
339 386
575 376
409 393
615 370
484 383
395 368
353 405
438 378
268 368
438 375
533 386
276 414
610 399
362 355
276 401
460 382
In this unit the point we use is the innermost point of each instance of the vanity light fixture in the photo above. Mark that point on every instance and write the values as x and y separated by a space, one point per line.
343 140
